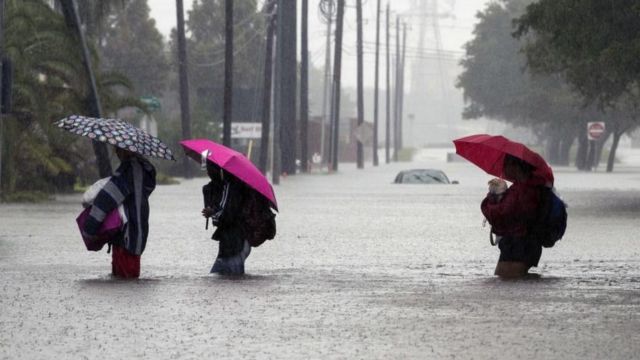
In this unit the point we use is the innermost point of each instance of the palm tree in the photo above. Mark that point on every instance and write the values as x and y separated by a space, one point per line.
49 83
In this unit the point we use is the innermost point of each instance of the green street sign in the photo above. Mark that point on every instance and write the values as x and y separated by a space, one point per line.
152 102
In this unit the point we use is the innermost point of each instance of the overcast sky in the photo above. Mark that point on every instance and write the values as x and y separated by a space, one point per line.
455 19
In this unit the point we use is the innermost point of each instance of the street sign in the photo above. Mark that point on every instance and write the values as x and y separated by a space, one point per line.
152 102
246 130
364 133
595 130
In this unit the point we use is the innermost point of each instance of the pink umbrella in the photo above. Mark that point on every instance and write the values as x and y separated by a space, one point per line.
233 162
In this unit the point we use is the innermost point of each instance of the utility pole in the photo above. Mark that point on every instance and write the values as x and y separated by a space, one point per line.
402 89
337 64
387 141
2 88
228 72
277 103
288 87
360 149
266 87
396 107
375 94
304 87
70 10
185 111
327 102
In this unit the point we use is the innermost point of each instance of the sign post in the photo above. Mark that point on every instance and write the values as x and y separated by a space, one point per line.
594 133
246 130
595 130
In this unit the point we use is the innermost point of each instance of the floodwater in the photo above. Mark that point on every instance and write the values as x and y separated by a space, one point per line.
361 268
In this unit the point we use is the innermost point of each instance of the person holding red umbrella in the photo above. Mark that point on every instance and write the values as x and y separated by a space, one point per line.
517 214
511 215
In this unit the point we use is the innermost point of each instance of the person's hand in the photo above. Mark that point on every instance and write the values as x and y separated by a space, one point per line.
208 212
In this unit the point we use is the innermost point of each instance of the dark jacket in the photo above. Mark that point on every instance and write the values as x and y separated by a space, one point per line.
515 213
131 185
228 199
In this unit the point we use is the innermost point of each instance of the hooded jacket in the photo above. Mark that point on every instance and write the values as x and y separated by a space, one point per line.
515 213
131 185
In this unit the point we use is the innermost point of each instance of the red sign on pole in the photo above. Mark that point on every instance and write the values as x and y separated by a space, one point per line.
595 130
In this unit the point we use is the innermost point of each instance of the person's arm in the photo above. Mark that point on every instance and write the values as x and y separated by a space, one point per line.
230 203
518 206
109 198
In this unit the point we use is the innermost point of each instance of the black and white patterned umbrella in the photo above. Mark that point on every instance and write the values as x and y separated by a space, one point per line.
117 133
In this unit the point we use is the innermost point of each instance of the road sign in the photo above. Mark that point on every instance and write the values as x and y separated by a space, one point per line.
364 133
152 102
246 130
595 130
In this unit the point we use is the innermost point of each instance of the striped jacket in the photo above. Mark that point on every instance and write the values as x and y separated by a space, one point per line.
131 185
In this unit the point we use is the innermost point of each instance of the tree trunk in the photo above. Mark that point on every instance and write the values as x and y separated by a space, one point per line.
288 86
2 86
565 150
553 149
228 73
304 87
266 88
612 152
185 109
70 11
583 148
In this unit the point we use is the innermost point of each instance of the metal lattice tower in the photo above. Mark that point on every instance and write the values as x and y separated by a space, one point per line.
427 15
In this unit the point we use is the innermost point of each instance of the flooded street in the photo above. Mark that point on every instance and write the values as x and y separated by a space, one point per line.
360 268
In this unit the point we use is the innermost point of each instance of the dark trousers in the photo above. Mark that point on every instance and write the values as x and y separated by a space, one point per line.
519 249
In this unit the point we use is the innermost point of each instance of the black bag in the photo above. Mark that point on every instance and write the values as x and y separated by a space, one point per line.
260 219
552 222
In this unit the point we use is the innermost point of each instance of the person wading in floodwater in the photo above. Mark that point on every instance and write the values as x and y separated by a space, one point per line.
512 214
131 186
225 197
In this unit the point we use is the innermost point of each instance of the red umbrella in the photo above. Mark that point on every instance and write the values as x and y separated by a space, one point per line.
487 152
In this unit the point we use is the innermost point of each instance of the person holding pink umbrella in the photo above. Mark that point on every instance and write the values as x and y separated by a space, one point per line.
225 198
237 200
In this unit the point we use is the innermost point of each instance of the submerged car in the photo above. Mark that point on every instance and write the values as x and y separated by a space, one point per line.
423 176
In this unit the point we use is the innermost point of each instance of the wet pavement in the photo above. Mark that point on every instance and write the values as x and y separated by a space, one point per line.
361 268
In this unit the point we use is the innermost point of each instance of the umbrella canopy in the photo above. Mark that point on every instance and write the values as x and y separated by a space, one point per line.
117 133
233 162
488 152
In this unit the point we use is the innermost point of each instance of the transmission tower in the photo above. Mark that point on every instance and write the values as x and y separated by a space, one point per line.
428 14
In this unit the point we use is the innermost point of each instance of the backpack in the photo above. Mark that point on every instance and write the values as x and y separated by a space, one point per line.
552 221
260 220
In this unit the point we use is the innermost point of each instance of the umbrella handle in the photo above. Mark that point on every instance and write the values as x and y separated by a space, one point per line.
206 224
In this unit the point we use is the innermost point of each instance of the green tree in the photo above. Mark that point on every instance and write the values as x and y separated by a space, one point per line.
496 83
49 83
594 46
133 46
205 46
